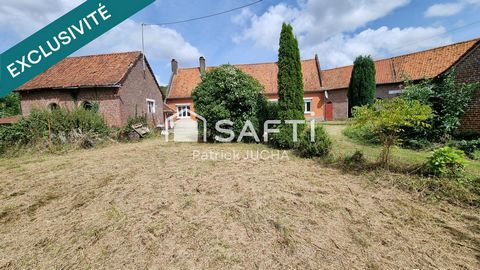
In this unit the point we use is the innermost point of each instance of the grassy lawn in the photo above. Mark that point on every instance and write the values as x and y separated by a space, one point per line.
152 205
345 146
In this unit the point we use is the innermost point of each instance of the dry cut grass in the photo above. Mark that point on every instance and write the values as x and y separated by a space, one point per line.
150 205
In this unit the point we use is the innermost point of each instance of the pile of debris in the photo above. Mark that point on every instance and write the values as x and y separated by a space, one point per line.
139 131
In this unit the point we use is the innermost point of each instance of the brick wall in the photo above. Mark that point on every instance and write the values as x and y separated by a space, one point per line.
468 71
340 103
383 91
109 104
172 103
318 103
115 105
137 88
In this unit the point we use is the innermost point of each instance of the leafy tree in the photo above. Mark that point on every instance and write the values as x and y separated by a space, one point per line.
448 100
10 105
290 87
389 118
361 90
228 93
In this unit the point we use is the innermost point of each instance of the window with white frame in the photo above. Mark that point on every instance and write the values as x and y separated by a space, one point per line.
394 92
151 106
308 105
183 111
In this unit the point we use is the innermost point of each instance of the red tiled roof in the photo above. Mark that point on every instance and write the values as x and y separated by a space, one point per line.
266 73
340 77
9 120
167 108
430 63
414 66
85 71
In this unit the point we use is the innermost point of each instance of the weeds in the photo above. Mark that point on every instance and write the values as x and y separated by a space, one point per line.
53 130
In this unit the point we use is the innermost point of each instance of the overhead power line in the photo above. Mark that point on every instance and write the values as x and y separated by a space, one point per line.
190 20
206 16
434 36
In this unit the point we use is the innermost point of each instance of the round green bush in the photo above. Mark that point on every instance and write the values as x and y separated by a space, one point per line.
447 162
227 93
284 138
319 148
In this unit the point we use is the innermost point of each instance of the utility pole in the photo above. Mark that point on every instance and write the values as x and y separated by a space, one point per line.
143 49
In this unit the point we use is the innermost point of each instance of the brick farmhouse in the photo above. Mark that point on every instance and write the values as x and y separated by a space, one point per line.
326 90
121 84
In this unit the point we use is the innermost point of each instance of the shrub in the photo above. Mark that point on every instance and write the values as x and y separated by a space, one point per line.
362 133
468 147
468 135
284 138
447 162
321 145
270 111
416 144
132 121
10 105
448 101
475 155
55 127
227 93
361 90
389 118
356 160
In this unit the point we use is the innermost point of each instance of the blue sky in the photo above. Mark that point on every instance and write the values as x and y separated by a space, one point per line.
337 30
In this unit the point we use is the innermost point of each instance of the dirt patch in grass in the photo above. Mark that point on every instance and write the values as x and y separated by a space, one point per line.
150 205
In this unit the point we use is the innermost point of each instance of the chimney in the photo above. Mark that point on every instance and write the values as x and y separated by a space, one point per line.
174 66
202 65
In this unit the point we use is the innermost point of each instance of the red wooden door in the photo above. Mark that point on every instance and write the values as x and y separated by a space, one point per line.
329 111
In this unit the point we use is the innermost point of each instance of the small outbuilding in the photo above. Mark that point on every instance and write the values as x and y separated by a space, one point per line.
120 85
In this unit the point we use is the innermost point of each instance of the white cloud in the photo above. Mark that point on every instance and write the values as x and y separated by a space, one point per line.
444 10
315 20
24 17
328 28
341 49
161 43
449 9
265 30
243 17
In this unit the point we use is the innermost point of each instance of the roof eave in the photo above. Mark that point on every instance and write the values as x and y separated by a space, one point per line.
69 87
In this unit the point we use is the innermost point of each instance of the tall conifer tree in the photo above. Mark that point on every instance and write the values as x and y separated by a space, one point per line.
290 89
290 78
362 83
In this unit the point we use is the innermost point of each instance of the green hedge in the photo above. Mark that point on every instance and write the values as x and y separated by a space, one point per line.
57 126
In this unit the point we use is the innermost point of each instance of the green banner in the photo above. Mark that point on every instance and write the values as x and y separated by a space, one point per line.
61 38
